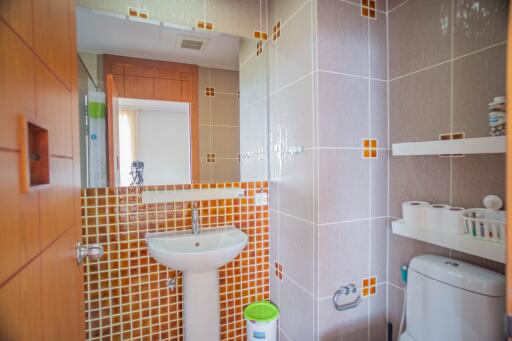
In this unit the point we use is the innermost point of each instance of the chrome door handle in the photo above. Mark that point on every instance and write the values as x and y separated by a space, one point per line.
93 251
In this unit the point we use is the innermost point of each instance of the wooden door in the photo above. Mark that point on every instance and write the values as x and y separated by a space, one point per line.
112 131
41 284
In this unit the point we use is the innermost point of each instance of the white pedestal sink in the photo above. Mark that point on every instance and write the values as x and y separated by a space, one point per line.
198 257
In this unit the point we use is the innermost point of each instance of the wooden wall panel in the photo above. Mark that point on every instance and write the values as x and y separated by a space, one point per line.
167 89
19 219
18 15
16 85
138 87
53 103
21 306
52 36
60 283
119 81
57 202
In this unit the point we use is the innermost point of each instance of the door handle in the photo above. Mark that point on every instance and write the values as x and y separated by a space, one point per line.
93 252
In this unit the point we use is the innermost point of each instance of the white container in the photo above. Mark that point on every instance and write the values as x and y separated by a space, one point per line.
415 213
436 216
482 223
261 318
453 222
259 331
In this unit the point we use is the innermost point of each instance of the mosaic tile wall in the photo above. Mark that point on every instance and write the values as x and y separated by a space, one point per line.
126 296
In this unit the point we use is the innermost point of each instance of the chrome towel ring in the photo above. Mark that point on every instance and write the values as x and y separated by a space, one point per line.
346 290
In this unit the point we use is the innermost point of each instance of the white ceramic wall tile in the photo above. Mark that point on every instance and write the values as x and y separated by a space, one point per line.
297 311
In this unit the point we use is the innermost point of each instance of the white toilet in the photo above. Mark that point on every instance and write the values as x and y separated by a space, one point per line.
450 300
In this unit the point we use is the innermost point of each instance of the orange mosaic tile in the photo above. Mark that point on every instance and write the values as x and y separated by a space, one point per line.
204 25
369 148
369 286
209 91
260 35
126 294
276 30
259 48
369 8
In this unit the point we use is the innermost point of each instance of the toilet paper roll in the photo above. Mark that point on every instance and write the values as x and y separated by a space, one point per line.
415 213
436 216
453 220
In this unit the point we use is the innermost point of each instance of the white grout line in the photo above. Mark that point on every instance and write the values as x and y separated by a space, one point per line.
351 74
398 6
286 335
291 83
370 168
449 60
388 163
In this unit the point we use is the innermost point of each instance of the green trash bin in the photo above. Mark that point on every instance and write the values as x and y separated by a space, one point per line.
261 320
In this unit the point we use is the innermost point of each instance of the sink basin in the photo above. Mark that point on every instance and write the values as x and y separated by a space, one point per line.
204 252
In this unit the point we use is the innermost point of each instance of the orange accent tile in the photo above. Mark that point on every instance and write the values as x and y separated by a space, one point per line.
133 12
209 26
366 153
373 280
373 290
364 292
373 143
364 11
365 282
373 14
373 153
200 24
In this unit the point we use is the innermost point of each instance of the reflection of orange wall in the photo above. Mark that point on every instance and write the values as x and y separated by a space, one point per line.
126 294
166 81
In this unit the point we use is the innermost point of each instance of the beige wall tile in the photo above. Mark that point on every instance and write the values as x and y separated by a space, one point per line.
477 79
419 35
420 105
225 141
225 109
342 38
478 24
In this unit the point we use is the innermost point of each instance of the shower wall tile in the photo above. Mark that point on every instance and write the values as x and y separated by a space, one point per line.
296 186
343 255
224 170
378 46
343 116
419 35
418 178
292 109
379 112
294 48
379 185
484 263
343 325
296 235
344 188
478 24
475 176
378 321
224 80
379 248
393 4
342 38
125 291
477 79
225 109
297 311
420 105
225 141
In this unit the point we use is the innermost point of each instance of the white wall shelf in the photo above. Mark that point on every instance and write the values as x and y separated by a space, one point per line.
477 145
459 242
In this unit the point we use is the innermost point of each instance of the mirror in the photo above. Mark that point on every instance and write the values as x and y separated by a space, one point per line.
161 104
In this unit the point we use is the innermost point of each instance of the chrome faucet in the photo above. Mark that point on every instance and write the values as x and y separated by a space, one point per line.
196 226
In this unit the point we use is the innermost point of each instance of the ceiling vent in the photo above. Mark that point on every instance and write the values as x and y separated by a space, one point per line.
192 43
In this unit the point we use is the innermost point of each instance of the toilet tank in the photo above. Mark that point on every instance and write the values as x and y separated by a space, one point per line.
452 300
